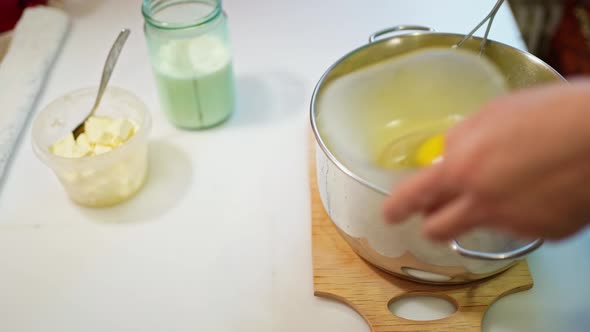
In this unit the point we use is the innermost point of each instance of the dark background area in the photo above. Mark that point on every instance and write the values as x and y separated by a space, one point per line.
557 31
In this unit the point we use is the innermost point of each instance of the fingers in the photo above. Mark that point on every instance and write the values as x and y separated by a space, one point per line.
449 214
451 220
415 195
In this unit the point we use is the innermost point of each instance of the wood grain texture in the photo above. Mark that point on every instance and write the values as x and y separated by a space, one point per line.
342 275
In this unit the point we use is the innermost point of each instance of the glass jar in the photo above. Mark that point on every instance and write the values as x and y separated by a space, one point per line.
191 58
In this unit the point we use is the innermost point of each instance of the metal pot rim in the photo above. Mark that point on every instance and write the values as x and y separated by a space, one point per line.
373 42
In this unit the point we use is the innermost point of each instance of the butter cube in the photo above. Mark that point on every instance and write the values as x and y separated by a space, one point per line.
96 129
80 152
67 147
102 134
100 149
120 130
83 145
64 147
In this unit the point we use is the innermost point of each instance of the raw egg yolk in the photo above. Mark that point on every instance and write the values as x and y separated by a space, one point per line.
430 151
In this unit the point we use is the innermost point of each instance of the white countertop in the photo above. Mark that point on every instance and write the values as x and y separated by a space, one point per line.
219 240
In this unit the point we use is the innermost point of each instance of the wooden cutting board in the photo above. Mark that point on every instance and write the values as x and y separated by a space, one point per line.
341 275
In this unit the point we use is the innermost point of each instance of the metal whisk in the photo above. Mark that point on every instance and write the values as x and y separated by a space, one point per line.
490 20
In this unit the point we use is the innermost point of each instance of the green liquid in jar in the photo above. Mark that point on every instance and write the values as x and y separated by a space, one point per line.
195 82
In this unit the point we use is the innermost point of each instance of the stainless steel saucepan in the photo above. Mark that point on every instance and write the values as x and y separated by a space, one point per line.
354 204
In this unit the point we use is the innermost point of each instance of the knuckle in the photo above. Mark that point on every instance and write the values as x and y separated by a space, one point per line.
475 169
466 172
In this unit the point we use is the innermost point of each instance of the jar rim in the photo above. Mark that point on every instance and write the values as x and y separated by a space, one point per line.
149 9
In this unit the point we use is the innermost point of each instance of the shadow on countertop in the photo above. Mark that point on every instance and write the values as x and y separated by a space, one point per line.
169 177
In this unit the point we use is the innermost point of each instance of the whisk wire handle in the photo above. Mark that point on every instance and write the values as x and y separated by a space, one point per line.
490 19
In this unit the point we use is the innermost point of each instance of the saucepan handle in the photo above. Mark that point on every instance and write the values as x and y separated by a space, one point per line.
496 256
398 28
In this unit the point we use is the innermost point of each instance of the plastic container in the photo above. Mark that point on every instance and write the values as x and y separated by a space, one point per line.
101 180
191 58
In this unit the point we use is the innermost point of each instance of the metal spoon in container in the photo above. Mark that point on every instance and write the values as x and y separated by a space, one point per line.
107 70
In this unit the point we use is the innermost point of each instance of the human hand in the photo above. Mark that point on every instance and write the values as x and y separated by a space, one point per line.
521 165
